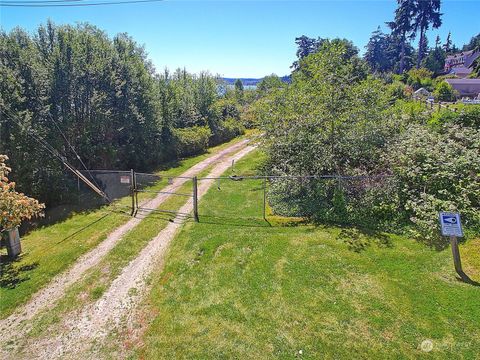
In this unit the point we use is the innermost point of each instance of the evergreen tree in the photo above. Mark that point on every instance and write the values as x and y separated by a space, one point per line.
376 52
473 44
238 85
426 13
448 43
305 47
402 27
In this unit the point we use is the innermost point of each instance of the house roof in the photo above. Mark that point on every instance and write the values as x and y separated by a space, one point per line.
463 81
468 87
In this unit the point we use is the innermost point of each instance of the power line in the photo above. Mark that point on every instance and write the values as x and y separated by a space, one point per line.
56 154
36 2
73 149
5 4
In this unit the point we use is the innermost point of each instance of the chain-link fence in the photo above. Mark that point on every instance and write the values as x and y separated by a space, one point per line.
367 200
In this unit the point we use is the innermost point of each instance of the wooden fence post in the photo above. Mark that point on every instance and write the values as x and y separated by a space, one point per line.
264 198
195 198
456 255
132 190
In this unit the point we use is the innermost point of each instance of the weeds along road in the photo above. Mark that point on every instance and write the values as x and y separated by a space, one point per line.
17 323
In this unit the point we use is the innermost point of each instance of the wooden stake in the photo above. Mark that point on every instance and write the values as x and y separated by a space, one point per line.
195 198
456 256
265 199
132 190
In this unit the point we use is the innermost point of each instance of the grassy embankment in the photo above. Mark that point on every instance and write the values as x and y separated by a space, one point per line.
236 287
51 249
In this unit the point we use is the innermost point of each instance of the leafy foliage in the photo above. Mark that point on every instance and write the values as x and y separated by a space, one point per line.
444 92
438 171
336 120
192 140
14 206
105 98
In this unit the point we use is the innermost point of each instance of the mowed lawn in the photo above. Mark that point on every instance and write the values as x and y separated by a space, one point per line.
235 287
51 249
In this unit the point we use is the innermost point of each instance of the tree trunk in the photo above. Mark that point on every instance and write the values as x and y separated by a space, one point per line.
420 47
402 56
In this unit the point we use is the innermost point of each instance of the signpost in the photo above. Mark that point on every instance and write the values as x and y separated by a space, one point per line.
452 227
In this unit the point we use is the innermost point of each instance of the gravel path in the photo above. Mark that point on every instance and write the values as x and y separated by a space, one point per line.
17 324
88 326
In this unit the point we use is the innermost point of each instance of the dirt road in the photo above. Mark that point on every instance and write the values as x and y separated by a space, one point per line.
18 323
87 327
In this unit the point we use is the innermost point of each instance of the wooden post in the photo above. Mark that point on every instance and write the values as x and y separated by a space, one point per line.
132 190
195 198
14 247
265 198
135 189
456 256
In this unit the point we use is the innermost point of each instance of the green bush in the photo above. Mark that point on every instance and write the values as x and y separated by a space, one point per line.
438 171
191 141
444 92
229 129
466 115
366 202
418 78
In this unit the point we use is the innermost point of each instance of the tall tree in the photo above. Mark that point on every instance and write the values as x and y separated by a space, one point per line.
426 14
435 60
448 43
239 90
305 47
376 52
473 44
402 26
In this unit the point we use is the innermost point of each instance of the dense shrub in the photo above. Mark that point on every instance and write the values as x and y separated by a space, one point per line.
191 141
228 129
438 171
467 115
418 78
444 92
367 202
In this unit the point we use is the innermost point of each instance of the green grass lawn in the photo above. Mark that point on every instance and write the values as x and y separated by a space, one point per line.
235 286
51 249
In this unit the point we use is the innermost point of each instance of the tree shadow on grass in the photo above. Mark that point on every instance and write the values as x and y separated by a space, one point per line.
231 221
11 274
358 239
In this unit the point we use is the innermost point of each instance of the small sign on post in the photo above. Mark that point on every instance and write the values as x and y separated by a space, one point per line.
452 227
451 224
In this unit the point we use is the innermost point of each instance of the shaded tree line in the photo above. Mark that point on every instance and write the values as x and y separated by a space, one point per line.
75 85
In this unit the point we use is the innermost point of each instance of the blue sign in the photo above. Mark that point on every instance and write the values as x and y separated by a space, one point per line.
451 225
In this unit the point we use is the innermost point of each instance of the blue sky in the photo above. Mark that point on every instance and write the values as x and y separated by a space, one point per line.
240 38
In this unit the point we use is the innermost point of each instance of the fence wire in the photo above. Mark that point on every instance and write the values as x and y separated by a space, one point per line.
340 199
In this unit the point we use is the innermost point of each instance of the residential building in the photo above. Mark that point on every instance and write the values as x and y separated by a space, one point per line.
465 87
460 64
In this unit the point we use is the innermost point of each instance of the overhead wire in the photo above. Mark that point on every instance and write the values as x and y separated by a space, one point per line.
73 149
37 1
76 4
56 154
